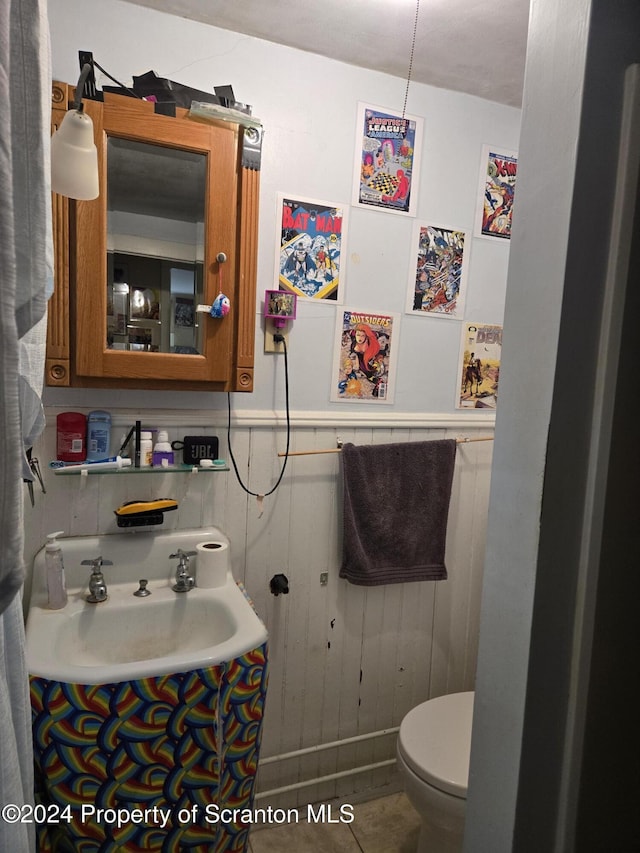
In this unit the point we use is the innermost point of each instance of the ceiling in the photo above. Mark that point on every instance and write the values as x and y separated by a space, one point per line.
472 46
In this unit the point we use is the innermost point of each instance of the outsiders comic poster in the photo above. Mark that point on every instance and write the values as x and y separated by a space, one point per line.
479 366
438 272
364 357
496 193
310 246
386 165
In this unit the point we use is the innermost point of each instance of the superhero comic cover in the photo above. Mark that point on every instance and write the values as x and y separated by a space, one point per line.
364 357
496 193
438 272
310 245
386 167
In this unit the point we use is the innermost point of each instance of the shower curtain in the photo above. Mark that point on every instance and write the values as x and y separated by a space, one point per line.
26 254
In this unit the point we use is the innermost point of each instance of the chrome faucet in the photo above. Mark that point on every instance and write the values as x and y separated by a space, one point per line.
184 581
97 584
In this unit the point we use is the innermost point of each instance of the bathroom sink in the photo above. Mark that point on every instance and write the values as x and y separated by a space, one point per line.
126 636
130 631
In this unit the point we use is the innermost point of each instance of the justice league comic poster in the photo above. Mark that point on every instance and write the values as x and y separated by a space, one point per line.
310 246
364 357
496 193
386 165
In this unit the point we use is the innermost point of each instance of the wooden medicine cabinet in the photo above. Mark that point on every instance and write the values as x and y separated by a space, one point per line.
132 266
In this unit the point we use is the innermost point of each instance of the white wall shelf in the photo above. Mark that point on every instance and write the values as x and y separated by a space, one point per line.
171 469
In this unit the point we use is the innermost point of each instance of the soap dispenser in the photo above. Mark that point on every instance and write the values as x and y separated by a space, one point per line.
56 586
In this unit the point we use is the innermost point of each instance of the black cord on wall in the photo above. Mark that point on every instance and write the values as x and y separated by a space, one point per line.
279 339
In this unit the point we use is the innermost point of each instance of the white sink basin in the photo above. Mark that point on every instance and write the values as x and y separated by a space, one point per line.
128 637
131 631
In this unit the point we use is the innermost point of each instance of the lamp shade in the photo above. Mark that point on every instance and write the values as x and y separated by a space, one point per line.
74 158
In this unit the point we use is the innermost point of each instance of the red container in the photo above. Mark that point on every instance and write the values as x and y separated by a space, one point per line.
71 436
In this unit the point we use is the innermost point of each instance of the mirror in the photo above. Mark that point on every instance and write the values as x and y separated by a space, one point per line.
155 247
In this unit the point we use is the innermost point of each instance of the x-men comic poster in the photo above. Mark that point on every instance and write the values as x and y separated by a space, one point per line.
438 271
364 357
387 160
498 169
479 366
310 246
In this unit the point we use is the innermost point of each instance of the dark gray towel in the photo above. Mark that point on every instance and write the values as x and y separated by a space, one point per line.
396 505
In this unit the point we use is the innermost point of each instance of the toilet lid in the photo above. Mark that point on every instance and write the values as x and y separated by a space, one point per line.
435 742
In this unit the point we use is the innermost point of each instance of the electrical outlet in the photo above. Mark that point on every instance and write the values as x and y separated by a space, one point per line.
269 331
324 578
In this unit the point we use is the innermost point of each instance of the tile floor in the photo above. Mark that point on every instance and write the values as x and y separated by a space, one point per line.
385 825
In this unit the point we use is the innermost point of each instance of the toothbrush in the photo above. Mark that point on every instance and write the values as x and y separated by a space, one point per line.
108 465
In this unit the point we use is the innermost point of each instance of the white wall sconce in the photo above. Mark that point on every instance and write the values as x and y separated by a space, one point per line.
74 157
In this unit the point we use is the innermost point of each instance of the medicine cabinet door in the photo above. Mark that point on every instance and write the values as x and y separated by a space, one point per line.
174 226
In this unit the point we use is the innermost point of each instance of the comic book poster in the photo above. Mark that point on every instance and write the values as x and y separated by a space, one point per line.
438 273
496 193
364 357
479 366
386 168
310 246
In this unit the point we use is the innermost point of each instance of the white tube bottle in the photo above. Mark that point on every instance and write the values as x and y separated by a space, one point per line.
56 586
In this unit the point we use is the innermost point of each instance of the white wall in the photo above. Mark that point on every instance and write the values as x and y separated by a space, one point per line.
308 107
410 641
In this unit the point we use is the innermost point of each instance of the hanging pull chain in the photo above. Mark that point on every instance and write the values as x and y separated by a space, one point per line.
413 47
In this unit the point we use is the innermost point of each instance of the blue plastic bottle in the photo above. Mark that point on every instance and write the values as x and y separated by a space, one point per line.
98 435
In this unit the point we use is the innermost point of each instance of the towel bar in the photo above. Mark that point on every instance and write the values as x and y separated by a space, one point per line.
338 449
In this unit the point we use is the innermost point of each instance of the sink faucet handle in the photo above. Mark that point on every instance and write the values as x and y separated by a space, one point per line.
96 563
182 555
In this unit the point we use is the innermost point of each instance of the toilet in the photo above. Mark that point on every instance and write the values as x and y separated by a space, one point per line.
433 750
